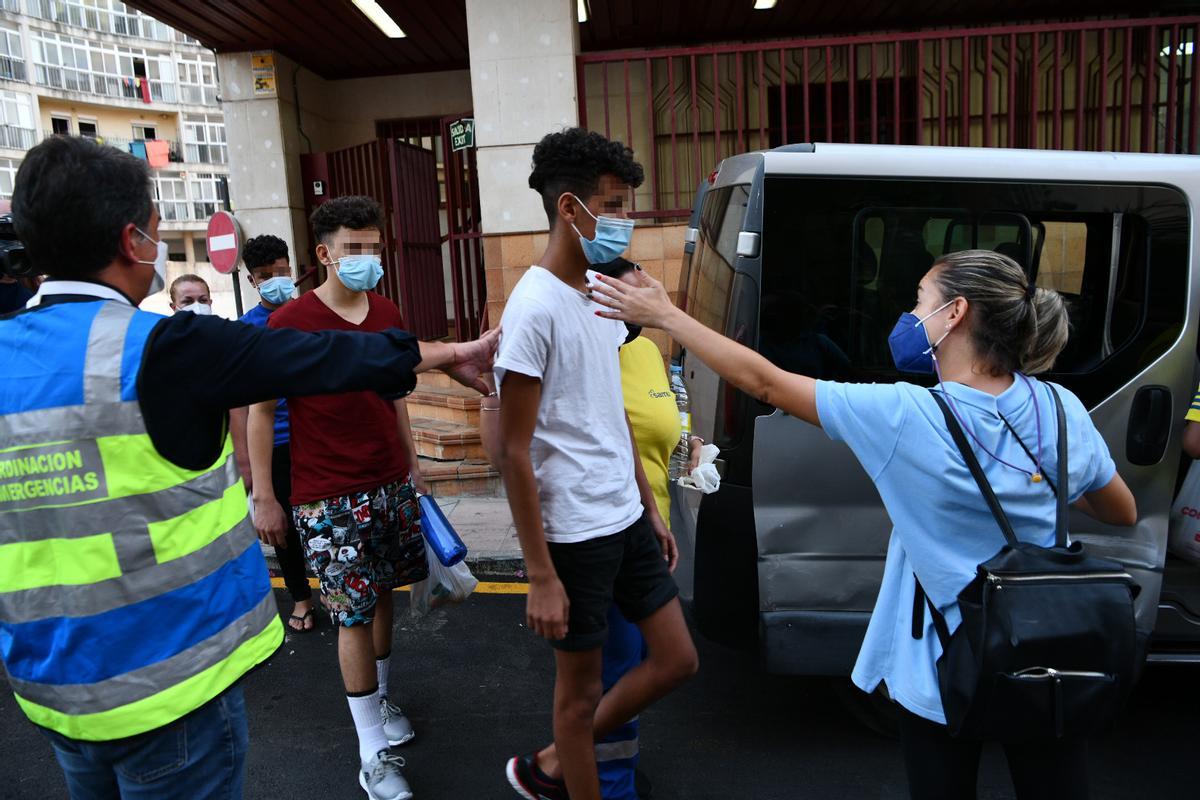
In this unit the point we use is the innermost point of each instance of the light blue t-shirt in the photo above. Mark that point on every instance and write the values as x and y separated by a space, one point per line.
942 528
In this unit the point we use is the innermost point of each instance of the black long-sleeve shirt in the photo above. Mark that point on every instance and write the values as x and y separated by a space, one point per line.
195 368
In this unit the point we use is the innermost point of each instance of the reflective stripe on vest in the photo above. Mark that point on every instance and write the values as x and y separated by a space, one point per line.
132 591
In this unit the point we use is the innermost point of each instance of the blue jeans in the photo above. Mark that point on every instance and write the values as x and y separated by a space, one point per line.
201 756
616 754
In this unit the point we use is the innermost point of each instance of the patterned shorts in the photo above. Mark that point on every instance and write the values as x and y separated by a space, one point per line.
361 545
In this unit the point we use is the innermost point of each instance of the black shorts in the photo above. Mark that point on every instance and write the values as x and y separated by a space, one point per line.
627 568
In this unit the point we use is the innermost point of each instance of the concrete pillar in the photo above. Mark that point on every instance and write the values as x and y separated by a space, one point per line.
523 86
264 147
189 247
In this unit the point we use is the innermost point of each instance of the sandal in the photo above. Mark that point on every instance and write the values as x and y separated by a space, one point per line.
301 619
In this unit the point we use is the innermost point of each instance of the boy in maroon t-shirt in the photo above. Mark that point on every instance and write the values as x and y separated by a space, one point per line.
354 468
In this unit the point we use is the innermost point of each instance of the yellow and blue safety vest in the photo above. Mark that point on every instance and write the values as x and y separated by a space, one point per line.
132 590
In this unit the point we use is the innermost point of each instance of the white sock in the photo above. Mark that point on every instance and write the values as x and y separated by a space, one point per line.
381 672
368 724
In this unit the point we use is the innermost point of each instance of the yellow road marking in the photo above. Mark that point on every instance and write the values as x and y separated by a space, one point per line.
484 587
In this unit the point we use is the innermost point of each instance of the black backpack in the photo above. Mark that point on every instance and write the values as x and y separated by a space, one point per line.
1048 644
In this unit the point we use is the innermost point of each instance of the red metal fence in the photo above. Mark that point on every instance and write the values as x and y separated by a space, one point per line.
403 179
1127 85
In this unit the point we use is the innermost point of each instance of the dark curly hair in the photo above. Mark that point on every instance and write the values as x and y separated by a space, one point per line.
263 251
72 199
573 160
353 212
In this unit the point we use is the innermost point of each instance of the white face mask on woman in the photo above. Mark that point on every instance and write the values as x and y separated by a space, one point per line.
203 309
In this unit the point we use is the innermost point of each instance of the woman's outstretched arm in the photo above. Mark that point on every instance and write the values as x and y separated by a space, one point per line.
649 306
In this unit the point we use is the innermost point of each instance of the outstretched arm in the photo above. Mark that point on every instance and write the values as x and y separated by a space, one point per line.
649 306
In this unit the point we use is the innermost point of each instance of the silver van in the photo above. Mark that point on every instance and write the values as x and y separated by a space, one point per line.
808 253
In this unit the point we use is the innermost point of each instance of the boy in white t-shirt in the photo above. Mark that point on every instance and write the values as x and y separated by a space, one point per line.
584 512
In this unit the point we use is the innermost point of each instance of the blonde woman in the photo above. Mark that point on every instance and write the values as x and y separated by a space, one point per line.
983 329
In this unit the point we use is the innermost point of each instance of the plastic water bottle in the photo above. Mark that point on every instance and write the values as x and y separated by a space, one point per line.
681 457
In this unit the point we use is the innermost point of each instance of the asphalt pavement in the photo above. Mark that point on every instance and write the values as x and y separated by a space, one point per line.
476 685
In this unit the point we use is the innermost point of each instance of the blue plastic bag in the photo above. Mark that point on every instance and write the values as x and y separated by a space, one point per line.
439 533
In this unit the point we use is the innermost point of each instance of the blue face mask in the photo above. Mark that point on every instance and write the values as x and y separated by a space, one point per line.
909 341
612 237
277 291
359 273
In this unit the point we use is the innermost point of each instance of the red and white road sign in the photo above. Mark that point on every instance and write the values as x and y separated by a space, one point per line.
224 242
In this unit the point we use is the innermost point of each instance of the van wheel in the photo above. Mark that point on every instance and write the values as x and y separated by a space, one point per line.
875 711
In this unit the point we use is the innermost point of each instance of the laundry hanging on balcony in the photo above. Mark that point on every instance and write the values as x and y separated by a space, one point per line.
141 87
138 149
158 152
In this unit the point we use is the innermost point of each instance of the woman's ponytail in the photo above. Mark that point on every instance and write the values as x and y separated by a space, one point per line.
1050 331
1015 325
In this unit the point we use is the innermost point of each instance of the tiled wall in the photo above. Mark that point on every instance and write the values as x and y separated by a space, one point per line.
658 248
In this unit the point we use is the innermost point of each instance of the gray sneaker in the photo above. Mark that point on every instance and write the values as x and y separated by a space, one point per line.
396 726
381 778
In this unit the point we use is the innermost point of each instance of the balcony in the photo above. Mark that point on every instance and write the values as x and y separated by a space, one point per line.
206 153
12 69
76 80
104 20
173 154
11 5
187 210
15 138
198 95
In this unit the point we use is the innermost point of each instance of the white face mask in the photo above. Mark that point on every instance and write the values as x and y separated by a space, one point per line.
160 264
203 309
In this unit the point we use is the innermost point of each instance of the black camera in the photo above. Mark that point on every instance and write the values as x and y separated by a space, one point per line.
12 253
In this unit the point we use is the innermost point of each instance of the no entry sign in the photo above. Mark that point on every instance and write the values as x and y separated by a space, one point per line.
224 242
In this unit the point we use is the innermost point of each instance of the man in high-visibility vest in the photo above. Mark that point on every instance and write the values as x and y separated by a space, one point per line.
133 593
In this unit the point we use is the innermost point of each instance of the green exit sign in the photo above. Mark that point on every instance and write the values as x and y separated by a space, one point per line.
462 134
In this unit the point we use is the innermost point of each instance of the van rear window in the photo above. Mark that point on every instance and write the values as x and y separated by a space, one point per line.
710 276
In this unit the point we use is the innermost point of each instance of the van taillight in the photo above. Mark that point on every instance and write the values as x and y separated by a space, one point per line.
712 177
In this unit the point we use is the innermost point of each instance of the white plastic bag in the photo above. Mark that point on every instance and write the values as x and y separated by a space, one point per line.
704 477
1183 538
443 586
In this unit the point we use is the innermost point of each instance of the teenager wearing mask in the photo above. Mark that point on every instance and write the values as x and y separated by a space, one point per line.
984 330
270 272
584 511
353 489
191 293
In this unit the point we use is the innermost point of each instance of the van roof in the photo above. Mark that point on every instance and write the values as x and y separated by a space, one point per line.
981 163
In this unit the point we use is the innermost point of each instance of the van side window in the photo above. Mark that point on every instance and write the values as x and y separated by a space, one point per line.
711 275
1063 252
842 259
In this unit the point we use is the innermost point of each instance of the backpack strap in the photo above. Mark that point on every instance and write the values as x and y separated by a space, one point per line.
1062 494
981 480
921 600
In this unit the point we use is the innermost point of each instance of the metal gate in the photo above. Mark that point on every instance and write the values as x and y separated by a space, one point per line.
403 179
465 237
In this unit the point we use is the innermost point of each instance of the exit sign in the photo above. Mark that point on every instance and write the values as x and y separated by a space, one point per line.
462 134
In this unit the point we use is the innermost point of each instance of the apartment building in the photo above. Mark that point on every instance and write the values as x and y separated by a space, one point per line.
100 69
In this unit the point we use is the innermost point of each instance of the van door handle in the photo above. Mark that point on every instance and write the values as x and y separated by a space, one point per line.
1149 426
